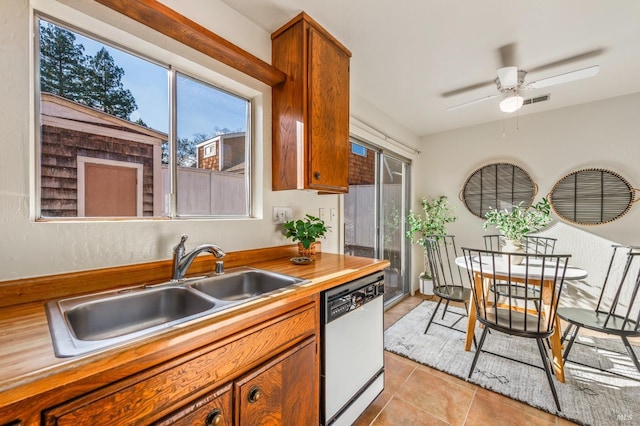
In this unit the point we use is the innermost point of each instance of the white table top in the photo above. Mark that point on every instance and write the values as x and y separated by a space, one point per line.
535 269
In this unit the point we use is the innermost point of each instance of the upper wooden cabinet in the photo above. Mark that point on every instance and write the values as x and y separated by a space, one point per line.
310 108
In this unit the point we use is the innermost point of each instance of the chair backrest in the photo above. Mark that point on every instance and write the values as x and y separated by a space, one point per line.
619 295
489 268
532 243
441 255
539 245
493 242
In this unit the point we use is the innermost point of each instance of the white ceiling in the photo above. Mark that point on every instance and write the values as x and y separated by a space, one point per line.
406 53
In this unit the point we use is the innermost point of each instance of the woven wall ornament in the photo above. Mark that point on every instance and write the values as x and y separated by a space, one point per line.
592 197
498 186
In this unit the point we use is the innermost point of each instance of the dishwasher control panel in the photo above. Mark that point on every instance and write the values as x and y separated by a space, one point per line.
348 297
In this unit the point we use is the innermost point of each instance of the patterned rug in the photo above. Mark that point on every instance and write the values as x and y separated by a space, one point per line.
602 386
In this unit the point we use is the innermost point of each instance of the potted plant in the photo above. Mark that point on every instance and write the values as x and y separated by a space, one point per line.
306 231
514 224
437 214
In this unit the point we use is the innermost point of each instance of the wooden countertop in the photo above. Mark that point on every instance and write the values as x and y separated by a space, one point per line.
29 366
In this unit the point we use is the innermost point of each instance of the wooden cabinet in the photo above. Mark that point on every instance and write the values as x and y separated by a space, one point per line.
214 409
216 383
277 393
310 145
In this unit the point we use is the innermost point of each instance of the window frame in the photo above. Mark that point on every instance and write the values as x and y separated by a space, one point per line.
187 68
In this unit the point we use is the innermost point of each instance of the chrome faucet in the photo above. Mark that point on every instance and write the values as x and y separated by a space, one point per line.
181 261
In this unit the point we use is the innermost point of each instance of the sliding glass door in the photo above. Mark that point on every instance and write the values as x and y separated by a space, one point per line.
374 210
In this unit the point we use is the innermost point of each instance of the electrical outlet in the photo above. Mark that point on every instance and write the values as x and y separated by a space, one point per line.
281 214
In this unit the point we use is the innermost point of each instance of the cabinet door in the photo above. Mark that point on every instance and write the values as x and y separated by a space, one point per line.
281 392
328 119
214 409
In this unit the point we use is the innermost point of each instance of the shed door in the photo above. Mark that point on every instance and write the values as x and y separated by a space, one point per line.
109 190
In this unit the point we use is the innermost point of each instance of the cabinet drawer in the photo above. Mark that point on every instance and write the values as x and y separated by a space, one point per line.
281 392
150 395
214 409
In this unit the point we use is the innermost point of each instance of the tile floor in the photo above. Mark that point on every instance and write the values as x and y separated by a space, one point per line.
418 395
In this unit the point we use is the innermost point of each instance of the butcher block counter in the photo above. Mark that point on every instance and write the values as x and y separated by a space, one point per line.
196 372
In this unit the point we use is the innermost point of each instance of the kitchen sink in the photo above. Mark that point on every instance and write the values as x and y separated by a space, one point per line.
244 283
127 313
87 323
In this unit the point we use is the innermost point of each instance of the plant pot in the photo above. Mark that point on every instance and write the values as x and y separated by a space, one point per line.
314 248
513 246
426 286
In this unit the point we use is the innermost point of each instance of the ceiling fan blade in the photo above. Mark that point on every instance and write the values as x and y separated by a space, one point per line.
564 78
508 77
467 88
585 55
475 101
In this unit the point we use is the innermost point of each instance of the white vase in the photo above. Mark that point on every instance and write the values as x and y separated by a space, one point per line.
426 286
513 246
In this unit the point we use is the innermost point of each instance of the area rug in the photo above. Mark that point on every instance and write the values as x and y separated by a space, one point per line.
602 386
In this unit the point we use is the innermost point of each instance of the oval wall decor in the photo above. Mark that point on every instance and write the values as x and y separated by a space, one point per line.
498 186
591 197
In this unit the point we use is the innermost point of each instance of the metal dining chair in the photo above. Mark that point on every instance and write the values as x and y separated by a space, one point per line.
533 244
493 242
618 309
447 277
504 314
540 245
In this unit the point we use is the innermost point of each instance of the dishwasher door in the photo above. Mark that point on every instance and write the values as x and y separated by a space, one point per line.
353 352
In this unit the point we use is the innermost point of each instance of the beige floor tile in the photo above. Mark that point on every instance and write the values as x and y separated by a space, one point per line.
441 398
516 404
398 412
396 371
487 410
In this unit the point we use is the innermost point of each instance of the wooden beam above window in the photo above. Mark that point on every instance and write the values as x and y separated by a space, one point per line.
172 24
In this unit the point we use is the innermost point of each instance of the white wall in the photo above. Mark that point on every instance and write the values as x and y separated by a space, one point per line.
548 146
30 248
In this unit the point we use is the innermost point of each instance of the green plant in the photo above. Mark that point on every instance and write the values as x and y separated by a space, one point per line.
437 214
520 221
306 230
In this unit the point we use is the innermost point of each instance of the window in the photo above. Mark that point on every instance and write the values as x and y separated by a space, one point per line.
108 146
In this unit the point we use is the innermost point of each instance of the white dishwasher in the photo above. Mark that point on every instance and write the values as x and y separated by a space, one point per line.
352 349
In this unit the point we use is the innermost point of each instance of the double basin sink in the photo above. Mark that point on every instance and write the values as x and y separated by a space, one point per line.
96 321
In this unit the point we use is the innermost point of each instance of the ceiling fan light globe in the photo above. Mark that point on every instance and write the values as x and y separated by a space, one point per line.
511 104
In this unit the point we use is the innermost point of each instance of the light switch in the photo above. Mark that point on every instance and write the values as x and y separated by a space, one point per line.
323 214
333 213
281 214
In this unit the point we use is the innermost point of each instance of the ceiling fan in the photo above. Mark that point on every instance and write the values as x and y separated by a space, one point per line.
510 81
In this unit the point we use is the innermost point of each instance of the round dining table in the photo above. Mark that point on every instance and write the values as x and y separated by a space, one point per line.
535 275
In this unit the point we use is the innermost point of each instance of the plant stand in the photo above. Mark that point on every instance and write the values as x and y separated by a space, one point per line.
426 286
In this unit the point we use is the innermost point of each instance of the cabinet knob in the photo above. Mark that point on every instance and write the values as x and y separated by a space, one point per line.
214 417
254 394
316 175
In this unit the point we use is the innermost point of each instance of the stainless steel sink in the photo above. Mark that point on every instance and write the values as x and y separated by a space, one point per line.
244 283
87 323
127 313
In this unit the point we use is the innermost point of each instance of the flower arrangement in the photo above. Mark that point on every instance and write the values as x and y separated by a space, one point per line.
518 222
306 230
437 214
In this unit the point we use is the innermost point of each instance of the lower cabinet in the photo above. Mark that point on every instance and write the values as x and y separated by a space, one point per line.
268 374
277 393
213 409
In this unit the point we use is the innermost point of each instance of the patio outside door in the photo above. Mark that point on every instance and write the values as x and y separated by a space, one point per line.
374 210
